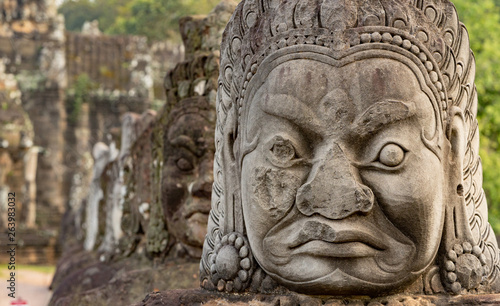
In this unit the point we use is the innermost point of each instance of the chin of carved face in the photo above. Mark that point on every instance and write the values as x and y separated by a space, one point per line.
187 177
343 191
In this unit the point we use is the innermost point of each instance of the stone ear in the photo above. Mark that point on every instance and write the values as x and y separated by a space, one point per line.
462 262
230 151
455 132
230 132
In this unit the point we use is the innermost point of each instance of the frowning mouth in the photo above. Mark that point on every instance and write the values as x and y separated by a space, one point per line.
325 240
197 216
196 207
317 231
340 250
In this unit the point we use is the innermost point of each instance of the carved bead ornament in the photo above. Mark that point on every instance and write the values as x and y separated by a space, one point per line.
231 264
465 267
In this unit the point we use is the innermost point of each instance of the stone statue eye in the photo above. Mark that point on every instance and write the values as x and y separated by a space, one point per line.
184 164
283 149
391 155
283 153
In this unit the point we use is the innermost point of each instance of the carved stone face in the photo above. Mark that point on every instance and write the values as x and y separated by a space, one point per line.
187 174
342 191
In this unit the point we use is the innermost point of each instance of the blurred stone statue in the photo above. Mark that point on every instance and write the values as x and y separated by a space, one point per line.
347 152
101 154
187 172
115 191
91 28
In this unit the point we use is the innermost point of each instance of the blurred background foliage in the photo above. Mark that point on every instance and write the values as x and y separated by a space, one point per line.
482 18
155 19
158 20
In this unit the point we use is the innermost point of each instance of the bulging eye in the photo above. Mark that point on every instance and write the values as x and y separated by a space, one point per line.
184 164
283 149
283 152
391 155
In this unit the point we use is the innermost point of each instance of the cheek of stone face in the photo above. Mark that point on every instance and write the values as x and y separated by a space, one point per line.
274 190
197 225
173 194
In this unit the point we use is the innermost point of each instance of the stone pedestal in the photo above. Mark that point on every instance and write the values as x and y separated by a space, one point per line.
203 297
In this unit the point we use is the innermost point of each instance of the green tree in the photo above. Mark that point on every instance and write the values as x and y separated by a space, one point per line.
77 12
150 18
155 19
482 18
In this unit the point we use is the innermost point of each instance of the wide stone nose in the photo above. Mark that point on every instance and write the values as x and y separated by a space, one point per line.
333 189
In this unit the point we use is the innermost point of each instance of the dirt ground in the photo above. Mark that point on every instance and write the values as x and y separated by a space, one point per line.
31 285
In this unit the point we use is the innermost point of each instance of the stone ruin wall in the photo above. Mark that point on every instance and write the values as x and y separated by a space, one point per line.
46 61
16 150
32 53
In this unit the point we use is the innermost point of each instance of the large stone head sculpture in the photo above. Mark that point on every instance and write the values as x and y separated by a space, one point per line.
347 152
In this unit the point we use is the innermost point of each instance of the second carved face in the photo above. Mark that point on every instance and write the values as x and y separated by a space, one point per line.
187 172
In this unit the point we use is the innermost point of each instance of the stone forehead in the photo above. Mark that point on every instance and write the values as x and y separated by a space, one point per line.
304 88
193 105
427 30
311 80
359 74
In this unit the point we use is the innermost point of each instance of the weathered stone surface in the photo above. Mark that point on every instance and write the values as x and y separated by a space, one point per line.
204 33
138 180
165 56
74 258
108 77
91 28
79 161
130 283
89 277
31 17
116 188
18 156
187 172
75 89
201 297
346 153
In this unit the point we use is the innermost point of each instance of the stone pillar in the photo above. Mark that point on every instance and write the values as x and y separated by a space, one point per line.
30 166
5 169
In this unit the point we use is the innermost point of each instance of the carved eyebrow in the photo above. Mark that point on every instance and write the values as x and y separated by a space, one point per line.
293 110
381 114
186 142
